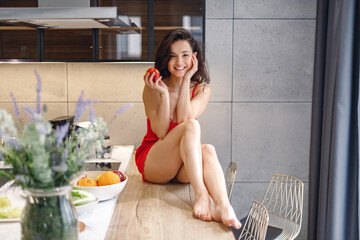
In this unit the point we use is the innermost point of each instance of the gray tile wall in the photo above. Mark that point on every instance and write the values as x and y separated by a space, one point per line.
261 55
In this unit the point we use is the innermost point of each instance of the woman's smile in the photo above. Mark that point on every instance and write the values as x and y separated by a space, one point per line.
180 68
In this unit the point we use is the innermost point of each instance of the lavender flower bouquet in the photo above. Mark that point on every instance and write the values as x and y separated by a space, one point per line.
42 157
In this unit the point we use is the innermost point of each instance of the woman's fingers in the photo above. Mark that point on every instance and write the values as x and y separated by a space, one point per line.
157 81
196 62
156 84
194 66
148 79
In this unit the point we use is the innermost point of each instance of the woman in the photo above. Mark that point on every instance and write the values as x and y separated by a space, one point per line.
171 150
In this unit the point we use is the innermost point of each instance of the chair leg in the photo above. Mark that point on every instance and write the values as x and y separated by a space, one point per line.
230 178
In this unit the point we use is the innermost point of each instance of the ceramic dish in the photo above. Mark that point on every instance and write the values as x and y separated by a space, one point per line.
101 192
86 208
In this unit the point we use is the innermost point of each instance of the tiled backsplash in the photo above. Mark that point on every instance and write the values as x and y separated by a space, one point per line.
113 85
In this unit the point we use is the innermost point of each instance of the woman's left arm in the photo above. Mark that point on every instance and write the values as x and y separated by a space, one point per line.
187 107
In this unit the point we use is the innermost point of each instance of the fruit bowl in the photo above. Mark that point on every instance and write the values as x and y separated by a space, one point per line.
101 192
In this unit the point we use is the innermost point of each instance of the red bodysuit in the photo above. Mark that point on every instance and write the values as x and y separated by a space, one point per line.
149 140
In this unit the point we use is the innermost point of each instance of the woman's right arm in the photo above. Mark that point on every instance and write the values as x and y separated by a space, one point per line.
157 105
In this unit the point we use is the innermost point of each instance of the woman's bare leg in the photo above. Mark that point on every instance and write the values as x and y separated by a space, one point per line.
180 147
215 183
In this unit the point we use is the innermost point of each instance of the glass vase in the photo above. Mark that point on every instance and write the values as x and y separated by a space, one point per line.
49 214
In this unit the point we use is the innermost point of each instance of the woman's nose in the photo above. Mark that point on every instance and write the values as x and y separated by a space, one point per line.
179 60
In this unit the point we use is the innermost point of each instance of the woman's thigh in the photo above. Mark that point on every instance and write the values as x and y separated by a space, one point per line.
163 161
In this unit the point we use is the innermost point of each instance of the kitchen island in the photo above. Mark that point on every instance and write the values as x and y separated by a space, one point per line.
159 212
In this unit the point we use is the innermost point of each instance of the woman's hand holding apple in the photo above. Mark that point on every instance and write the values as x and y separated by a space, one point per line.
153 79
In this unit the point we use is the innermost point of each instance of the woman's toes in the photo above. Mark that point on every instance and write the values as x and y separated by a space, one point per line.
234 223
207 217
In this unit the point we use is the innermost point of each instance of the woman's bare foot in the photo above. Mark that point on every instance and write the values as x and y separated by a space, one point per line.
202 208
225 213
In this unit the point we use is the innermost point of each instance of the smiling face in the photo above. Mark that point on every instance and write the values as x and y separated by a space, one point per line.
180 58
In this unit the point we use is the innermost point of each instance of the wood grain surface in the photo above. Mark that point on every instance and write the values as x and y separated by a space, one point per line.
159 211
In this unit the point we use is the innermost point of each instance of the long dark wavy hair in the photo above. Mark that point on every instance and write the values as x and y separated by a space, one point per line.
163 55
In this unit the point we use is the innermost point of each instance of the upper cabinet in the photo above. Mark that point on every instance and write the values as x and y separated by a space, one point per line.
43 30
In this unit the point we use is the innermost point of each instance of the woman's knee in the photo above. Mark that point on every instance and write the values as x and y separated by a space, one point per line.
208 150
209 156
192 125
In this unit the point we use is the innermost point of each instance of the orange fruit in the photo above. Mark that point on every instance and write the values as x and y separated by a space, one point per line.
108 178
97 178
87 182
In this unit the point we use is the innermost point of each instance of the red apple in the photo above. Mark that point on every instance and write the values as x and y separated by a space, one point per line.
79 180
157 73
121 175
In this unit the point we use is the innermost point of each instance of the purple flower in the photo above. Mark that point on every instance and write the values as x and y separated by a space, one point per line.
82 106
15 105
12 143
38 90
30 113
92 115
123 108
61 132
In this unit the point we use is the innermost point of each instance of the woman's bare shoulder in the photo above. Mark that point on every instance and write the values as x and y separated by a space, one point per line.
203 88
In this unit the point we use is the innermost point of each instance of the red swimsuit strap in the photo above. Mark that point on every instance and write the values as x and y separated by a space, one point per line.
193 92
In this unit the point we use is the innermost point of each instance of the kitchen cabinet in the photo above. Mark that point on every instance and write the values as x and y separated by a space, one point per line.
18 44
68 44
151 19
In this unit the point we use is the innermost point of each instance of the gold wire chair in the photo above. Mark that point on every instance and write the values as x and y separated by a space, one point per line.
230 178
284 202
256 223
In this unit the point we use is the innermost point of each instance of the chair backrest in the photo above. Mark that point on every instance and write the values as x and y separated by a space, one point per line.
230 178
256 223
284 202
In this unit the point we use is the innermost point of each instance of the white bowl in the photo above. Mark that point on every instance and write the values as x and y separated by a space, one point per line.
88 207
101 192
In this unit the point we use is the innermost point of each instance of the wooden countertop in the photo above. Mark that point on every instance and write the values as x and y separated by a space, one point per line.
156 211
